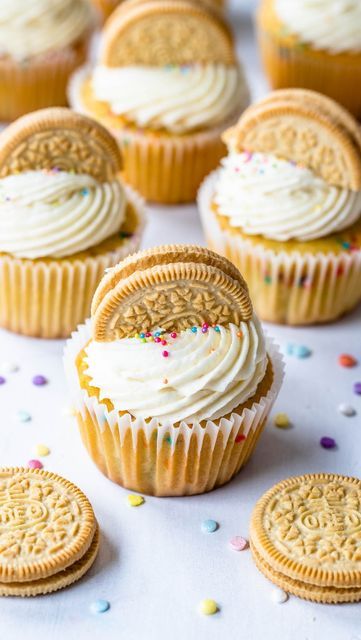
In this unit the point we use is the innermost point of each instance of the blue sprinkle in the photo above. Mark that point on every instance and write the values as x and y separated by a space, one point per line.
209 526
217 329
301 351
85 192
157 334
100 606
194 329
142 335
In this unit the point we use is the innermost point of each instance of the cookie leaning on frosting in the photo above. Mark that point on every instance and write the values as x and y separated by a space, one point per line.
285 206
41 43
64 217
173 379
313 44
166 84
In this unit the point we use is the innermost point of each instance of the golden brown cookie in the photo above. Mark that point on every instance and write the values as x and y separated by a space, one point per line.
46 525
161 32
307 128
60 580
173 287
59 138
306 536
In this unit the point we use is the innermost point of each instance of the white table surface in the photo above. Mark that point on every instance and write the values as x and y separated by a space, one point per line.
155 564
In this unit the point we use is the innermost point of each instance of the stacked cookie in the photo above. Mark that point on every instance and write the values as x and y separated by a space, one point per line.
306 537
49 536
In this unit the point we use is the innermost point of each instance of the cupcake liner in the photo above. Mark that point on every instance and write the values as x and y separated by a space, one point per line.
285 287
165 169
48 298
40 81
294 65
167 460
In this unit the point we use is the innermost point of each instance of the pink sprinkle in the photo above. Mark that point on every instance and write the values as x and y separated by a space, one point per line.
248 155
164 342
157 340
148 334
173 334
205 325
238 543
35 464
165 354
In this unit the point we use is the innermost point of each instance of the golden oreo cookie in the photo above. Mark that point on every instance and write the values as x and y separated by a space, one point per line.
306 127
59 138
173 287
161 32
306 537
47 525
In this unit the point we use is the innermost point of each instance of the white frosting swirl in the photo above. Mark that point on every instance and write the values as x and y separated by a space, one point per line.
49 213
205 376
263 195
334 25
32 27
178 99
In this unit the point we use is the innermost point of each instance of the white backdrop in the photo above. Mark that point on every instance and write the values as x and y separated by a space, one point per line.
155 564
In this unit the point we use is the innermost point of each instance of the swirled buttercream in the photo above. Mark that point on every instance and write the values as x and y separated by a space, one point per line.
334 25
178 99
263 195
56 214
205 376
32 27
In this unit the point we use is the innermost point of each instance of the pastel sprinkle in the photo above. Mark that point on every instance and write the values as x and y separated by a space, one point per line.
41 450
346 410
35 464
142 335
164 342
327 443
85 192
357 388
240 438
208 607
157 334
238 543
217 329
134 500
100 606
173 335
205 325
157 339
194 329
165 354
204 329
168 440
209 526
298 350
39 380
278 596
23 416
345 360
282 420
2 380
148 334
9 367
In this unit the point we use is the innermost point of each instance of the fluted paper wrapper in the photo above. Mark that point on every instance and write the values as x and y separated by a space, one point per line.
49 298
335 75
40 81
285 287
166 169
167 460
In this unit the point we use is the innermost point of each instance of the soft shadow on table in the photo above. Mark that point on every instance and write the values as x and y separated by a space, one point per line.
108 555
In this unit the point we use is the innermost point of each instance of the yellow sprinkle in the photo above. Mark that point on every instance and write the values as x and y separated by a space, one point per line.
134 500
282 420
136 335
208 607
42 450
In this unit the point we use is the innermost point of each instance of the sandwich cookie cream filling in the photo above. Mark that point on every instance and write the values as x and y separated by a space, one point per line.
334 25
33 27
197 374
56 213
275 198
178 99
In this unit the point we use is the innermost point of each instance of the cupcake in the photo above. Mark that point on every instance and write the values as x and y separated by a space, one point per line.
106 7
64 217
285 206
172 379
41 44
313 44
166 84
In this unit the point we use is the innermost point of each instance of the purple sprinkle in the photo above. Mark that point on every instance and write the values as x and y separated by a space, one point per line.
39 380
327 443
2 380
357 388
